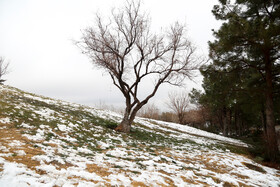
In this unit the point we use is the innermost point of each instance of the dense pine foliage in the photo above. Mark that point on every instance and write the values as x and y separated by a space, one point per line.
242 81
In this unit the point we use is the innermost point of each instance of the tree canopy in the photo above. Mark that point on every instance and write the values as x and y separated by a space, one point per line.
130 53
242 82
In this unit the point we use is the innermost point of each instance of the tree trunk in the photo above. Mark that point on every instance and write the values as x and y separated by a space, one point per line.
242 128
235 122
270 131
181 118
272 148
125 125
225 122
129 116
220 119
230 123
238 126
263 119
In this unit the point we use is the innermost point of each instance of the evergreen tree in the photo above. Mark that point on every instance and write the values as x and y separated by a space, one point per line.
249 39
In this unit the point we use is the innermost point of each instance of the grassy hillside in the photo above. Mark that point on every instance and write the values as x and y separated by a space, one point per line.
47 142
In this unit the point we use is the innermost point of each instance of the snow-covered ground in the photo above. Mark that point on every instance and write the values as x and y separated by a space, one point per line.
47 142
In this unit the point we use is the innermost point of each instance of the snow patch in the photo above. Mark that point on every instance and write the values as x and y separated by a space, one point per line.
15 143
20 152
5 120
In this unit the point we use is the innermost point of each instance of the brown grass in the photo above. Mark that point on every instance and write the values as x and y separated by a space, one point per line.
240 176
244 185
138 184
188 180
82 179
254 167
1 167
101 171
10 134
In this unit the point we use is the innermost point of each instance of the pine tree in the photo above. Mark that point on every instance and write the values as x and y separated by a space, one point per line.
250 38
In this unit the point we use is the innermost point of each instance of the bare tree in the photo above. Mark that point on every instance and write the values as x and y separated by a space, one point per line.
179 103
4 69
125 48
149 111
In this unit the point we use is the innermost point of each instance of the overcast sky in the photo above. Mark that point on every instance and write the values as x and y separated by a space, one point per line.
36 36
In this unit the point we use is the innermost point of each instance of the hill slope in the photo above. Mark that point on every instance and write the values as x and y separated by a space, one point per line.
47 142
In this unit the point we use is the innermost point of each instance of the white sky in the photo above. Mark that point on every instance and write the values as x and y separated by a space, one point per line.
36 37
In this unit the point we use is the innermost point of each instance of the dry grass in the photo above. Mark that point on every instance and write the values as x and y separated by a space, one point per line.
101 171
1 167
78 179
240 176
138 184
188 180
9 134
254 167
244 185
